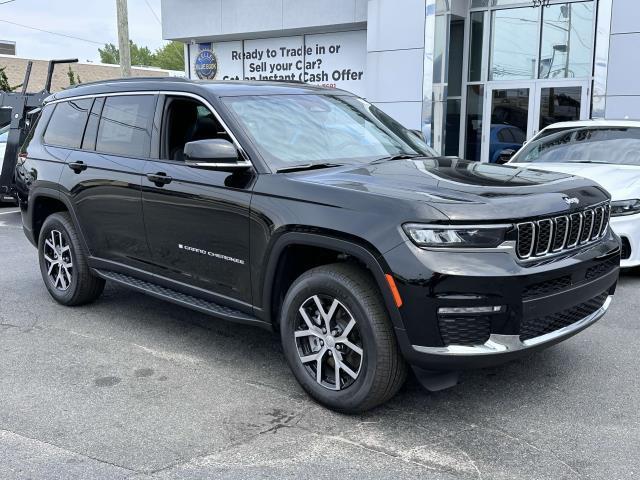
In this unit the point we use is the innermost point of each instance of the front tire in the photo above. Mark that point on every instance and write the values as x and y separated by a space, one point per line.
63 263
338 339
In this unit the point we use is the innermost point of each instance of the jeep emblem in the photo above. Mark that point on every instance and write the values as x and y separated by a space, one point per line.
571 201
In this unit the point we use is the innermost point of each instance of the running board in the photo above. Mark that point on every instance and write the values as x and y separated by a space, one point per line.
180 298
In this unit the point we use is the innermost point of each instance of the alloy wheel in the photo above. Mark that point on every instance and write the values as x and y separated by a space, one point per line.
57 257
329 342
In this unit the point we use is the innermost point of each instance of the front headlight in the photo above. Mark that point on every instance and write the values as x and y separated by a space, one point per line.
625 207
456 236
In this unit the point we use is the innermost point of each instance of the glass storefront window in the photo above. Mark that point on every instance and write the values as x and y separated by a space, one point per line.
559 104
473 127
475 48
514 48
440 40
452 128
567 41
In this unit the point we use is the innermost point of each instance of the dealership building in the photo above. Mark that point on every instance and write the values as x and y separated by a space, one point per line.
476 76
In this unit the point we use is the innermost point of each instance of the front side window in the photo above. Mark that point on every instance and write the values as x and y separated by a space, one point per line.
66 126
300 129
125 125
614 145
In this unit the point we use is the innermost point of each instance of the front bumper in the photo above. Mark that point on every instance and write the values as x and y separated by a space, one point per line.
628 229
541 304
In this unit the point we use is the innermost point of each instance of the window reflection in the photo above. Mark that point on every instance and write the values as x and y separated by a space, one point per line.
514 47
567 40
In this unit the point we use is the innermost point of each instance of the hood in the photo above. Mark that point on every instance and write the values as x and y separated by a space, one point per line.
464 190
621 181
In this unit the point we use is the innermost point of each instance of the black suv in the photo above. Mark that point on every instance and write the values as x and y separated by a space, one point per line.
312 212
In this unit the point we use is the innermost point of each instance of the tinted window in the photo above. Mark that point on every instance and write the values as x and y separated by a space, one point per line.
91 132
67 123
585 145
125 125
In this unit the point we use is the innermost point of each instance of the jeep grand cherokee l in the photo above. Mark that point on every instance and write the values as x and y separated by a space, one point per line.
310 211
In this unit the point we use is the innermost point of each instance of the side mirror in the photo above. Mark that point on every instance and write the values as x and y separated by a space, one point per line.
505 155
213 153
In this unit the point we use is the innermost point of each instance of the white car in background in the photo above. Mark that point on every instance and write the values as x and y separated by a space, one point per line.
606 151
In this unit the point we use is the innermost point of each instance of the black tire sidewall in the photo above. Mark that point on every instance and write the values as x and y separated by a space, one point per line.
323 284
58 222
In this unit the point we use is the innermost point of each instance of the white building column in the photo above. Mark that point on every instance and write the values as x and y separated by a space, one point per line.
395 56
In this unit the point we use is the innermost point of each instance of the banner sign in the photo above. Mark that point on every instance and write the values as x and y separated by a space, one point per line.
334 60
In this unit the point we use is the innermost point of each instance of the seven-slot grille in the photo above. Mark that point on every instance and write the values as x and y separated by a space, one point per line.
557 234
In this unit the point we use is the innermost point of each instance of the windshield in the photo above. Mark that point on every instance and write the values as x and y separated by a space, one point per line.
4 134
615 145
308 129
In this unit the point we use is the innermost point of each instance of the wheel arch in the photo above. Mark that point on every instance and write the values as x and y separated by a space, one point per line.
44 202
277 280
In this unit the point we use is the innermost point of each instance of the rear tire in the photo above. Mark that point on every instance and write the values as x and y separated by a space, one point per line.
358 321
63 263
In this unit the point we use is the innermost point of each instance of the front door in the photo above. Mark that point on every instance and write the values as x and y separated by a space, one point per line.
518 111
197 220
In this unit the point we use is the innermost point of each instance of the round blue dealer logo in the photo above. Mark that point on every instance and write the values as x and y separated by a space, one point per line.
206 65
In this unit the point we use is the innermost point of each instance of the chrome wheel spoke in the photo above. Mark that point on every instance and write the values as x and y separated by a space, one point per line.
349 344
347 370
48 243
307 320
336 370
313 357
306 333
348 328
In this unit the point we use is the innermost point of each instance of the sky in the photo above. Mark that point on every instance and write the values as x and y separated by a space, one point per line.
93 21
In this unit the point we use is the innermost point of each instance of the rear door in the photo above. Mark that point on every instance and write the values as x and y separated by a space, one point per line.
197 219
103 177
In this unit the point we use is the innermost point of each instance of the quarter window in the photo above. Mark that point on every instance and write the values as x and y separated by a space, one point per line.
67 123
125 125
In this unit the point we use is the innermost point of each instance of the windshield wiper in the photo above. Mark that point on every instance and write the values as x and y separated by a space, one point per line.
307 166
398 156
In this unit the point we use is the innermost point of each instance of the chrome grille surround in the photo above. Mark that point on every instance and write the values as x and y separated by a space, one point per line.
540 238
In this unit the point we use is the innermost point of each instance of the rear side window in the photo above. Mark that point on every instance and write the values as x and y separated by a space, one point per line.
66 127
125 125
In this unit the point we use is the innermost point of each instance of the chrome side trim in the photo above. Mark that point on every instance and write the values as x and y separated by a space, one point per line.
499 344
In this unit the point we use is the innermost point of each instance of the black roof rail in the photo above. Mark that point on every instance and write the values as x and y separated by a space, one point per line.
133 79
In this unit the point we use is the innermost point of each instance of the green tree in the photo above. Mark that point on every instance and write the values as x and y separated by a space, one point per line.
170 56
4 82
74 78
109 54
141 56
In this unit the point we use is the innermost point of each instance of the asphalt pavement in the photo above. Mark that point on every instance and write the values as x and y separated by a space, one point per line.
132 387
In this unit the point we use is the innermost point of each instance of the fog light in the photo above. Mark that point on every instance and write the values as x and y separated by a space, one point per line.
468 310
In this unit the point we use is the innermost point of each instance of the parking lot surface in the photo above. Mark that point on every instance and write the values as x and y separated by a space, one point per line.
131 387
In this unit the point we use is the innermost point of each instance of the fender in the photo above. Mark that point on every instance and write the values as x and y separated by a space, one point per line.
374 262
48 192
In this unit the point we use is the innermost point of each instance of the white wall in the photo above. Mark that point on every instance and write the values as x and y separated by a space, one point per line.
207 20
395 54
623 88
